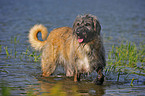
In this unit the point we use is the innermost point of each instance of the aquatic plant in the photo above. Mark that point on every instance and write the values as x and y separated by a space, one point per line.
126 59
131 84
9 52
14 40
6 50
15 53
35 56
30 55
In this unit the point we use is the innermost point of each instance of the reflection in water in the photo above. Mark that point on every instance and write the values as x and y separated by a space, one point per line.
57 86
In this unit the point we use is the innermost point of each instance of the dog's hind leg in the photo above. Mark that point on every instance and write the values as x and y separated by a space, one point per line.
75 74
47 68
48 61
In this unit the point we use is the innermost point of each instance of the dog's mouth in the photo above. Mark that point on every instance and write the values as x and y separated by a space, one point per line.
81 37
84 35
80 40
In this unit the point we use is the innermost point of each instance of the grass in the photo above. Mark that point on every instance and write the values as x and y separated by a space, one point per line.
128 58
35 56
7 52
31 55
14 40
131 84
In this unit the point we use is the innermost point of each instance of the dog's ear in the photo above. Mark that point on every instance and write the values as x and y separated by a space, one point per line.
97 26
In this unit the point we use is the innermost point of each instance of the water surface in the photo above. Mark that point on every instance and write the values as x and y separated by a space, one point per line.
120 20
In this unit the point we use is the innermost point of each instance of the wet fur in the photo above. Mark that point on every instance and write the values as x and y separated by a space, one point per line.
62 47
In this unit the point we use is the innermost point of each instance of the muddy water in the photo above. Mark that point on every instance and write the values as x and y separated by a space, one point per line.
120 20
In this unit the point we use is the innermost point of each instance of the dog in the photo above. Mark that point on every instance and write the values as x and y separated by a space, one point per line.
79 49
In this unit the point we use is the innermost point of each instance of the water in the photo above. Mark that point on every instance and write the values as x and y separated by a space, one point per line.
120 20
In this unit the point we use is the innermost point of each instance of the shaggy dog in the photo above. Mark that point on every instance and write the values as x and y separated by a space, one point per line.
79 49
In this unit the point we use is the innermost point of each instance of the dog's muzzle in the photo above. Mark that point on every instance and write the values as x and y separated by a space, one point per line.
82 34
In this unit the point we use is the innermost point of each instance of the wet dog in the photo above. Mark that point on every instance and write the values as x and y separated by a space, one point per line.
79 49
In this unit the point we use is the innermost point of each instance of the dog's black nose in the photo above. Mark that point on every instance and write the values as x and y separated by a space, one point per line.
79 33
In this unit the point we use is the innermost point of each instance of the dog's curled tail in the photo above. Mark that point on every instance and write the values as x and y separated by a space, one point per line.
33 39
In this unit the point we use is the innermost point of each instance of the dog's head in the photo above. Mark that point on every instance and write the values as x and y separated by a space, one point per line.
86 28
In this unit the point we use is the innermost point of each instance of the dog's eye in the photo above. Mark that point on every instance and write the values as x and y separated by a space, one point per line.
78 24
87 24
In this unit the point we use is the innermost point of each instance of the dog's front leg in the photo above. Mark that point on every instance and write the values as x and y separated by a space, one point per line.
100 78
75 74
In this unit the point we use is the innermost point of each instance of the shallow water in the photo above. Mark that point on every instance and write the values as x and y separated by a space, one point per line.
120 20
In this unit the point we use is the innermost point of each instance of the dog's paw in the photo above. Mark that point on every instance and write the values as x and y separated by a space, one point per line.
99 80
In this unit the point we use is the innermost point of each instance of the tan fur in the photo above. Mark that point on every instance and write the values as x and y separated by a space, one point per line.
62 47
35 43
